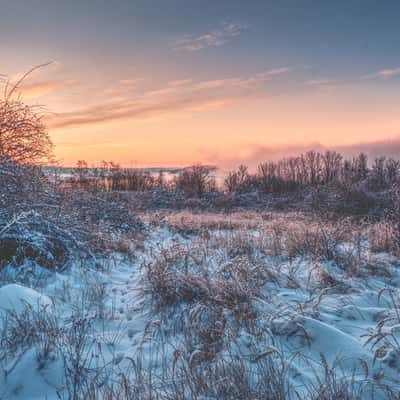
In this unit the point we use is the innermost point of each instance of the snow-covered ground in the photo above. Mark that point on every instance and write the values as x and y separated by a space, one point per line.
308 323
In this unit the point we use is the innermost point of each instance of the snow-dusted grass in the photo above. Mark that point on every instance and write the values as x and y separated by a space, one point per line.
215 306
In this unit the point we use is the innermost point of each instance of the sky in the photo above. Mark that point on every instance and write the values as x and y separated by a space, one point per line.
177 82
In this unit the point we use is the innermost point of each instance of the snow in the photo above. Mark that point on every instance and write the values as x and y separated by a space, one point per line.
28 382
16 298
329 322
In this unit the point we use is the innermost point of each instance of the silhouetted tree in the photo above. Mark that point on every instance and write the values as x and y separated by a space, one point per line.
195 180
332 165
23 135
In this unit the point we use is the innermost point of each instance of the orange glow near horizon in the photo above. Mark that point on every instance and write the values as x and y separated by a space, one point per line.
223 121
228 134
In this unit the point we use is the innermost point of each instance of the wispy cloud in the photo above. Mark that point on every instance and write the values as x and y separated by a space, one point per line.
215 38
322 84
243 82
133 110
180 82
384 74
130 82
178 95
274 71
319 82
38 89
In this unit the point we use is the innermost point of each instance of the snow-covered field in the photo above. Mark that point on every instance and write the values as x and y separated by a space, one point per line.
207 307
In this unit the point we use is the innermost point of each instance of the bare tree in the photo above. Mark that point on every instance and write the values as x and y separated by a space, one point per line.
238 181
392 171
23 135
360 167
82 173
195 180
312 160
332 164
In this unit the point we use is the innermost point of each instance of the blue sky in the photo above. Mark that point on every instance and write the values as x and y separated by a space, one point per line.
359 34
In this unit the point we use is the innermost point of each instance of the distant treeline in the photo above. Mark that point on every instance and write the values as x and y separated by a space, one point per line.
289 174
313 169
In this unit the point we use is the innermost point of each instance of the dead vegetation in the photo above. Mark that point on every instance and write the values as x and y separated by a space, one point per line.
217 327
178 277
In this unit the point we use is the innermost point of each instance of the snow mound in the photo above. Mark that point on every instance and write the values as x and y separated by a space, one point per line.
15 297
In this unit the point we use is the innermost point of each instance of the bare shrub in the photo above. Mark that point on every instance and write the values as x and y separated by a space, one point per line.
231 377
239 181
31 236
191 222
355 200
384 339
21 186
331 384
68 224
31 328
321 241
170 287
277 238
204 330
77 356
195 181
177 277
23 135
382 236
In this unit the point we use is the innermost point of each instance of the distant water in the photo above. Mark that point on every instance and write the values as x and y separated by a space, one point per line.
168 172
